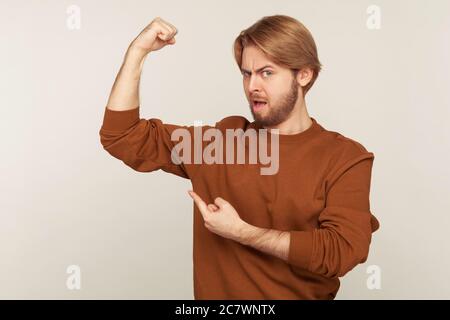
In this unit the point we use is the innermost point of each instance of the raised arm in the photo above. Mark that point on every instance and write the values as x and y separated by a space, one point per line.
142 144
125 91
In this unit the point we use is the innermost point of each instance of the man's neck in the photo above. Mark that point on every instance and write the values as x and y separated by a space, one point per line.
298 121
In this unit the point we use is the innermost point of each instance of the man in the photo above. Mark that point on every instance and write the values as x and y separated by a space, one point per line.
286 235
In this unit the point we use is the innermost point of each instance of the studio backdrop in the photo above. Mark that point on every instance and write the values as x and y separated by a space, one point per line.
68 208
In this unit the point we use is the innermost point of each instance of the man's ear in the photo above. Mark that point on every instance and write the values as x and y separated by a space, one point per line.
304 76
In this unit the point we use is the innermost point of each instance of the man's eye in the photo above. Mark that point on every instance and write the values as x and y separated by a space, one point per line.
267 72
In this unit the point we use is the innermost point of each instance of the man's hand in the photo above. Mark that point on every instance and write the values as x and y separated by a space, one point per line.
220 217
156 35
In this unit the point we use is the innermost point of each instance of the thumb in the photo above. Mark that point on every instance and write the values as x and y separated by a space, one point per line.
220 202
212 207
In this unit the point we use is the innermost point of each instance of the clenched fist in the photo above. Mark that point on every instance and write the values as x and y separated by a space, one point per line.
156 35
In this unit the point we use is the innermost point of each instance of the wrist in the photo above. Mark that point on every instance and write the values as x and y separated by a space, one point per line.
244 232
133 62
135 55
132 48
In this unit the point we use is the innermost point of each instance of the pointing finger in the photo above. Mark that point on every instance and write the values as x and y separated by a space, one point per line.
200 203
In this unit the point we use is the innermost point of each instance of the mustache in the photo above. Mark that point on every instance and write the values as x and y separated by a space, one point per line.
258 98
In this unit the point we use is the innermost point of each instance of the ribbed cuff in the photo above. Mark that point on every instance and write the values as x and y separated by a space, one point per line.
119 120
300 249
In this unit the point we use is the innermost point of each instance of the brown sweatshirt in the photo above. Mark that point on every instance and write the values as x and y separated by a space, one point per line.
320 194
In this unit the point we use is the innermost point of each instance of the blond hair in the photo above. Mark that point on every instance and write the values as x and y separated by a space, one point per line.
285 41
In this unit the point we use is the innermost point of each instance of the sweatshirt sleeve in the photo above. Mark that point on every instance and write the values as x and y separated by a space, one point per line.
144 145
345 224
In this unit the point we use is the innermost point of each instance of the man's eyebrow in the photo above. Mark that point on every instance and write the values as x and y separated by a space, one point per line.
266 66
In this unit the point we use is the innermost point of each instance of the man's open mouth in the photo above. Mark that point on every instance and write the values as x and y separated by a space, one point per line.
258 104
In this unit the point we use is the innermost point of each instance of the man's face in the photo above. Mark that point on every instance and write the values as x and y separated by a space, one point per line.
274 85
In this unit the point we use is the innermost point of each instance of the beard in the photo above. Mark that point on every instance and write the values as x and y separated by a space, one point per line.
279 112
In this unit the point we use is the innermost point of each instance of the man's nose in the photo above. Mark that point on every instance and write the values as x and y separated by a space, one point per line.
254 84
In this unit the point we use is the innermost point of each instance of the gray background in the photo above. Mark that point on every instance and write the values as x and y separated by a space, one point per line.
66 201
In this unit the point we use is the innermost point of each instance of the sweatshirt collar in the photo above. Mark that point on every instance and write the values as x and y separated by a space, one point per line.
310 132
